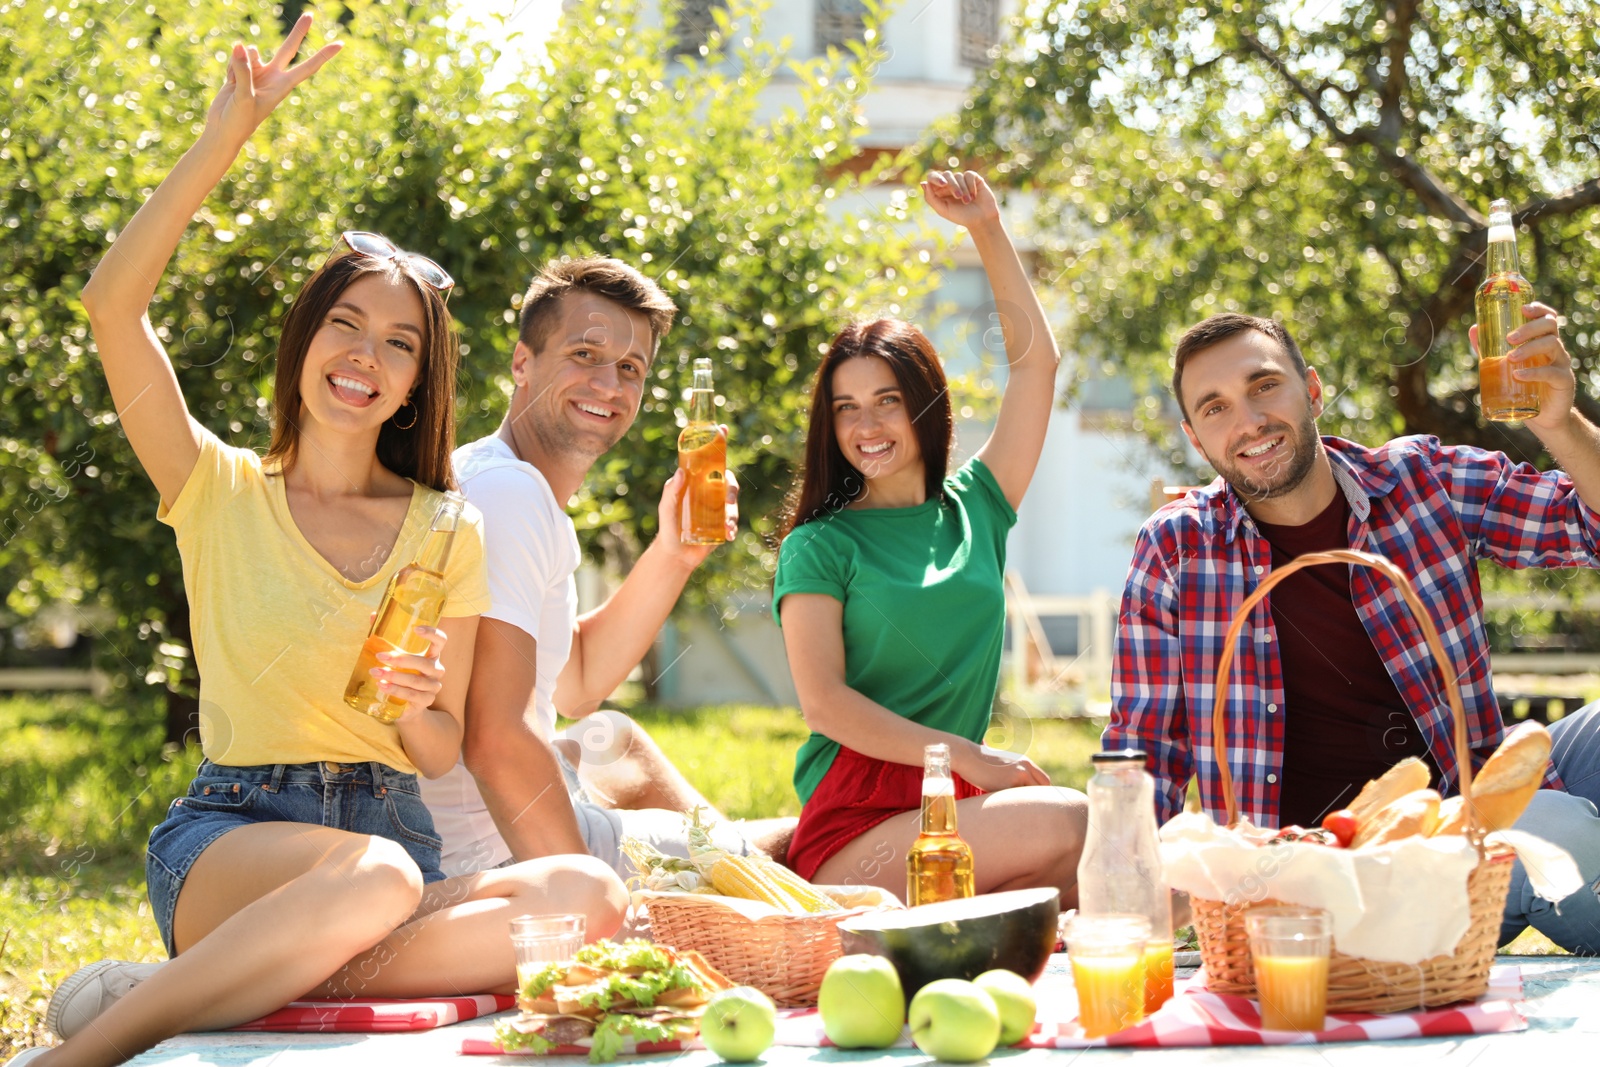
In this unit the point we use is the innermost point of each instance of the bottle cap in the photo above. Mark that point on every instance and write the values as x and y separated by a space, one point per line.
1500 228
1120 755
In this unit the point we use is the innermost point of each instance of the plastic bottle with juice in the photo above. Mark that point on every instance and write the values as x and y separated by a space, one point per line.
1120 871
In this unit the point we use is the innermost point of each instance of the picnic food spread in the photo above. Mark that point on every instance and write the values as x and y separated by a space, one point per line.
611 992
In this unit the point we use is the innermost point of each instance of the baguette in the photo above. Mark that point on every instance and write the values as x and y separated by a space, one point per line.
1505 784
1415 814
1452 818
1407 776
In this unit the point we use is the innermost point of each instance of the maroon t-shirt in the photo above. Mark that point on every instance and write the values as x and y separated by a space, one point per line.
1344 721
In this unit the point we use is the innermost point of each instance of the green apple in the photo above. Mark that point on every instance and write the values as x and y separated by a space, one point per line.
738 1023
954 1021
861 1002
1013 998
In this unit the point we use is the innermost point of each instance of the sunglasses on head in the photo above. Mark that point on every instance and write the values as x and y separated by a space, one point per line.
377 246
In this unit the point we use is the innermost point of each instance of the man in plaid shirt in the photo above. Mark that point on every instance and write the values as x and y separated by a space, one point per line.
1332 682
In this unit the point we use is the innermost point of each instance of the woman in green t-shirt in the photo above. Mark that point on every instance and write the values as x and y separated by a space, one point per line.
890 593
302 860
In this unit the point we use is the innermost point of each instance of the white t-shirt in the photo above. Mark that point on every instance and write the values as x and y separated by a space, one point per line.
532 551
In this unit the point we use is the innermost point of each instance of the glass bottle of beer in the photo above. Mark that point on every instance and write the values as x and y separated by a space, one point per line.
703 458
1120 870
1500 299
415 597
939 866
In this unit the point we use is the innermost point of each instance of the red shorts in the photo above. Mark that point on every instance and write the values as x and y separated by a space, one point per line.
856 794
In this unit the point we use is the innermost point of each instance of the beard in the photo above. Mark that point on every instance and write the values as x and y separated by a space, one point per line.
1284 473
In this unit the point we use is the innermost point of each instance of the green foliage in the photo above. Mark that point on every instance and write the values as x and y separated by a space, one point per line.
1332 167
743 214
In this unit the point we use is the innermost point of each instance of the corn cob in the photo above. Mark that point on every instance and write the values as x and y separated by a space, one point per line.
809 897
736 876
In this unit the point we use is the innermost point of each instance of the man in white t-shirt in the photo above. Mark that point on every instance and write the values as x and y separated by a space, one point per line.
589 332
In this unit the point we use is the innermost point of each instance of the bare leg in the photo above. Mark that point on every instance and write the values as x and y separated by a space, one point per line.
1023 837
458 943
359 923
623 767
771 836
339 892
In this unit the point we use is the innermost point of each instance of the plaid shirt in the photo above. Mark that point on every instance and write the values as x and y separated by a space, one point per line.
1435 510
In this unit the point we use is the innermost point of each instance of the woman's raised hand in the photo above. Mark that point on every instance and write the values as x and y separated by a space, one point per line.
254 87
963 197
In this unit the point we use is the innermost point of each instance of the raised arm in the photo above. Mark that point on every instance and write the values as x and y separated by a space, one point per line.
117 299
1012 451
1540 356
813 637
610 641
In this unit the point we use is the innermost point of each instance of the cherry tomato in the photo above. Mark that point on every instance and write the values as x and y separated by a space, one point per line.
1342 825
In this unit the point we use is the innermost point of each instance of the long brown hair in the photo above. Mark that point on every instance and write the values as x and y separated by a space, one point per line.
422 450
827 482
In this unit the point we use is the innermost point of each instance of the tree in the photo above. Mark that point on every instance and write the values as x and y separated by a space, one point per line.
604 149
1331 165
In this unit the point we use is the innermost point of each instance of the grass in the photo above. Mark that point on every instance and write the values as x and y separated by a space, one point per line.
81 786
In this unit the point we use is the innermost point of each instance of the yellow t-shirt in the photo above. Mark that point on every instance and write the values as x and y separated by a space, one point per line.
277 629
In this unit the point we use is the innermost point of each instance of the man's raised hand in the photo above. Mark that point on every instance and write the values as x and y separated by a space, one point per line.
255 86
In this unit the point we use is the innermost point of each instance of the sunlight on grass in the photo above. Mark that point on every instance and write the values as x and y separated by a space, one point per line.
82 785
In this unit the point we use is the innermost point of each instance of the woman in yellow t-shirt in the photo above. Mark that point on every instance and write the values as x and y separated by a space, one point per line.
302 861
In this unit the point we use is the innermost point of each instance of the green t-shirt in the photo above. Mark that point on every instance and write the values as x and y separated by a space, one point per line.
924 605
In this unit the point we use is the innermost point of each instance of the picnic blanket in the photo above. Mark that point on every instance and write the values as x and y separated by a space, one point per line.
1193 1018
376 1016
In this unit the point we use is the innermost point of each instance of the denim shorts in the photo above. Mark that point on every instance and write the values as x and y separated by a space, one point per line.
363 798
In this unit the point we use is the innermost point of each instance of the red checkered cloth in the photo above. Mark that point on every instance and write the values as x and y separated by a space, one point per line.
1194 1018
377 1016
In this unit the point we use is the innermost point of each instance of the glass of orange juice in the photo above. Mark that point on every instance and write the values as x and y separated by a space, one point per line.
1289 949
1107 954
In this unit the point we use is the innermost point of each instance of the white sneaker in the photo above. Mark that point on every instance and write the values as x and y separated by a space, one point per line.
25 1056
86 993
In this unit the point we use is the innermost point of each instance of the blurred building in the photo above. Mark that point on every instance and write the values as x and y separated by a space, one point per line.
1071 546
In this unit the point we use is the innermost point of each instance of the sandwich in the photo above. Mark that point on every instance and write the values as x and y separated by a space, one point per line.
611 992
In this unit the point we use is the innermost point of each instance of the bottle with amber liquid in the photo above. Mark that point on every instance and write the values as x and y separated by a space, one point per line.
1499 304
415 597
940 864
703 458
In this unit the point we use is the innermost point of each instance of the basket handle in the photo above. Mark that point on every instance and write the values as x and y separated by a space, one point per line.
1414 602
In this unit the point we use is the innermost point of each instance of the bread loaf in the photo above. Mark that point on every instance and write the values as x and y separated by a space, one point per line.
1505 784
1415 814
1452 817
1407 776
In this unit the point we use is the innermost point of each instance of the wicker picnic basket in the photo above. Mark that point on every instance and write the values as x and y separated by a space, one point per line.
783 955
1355 984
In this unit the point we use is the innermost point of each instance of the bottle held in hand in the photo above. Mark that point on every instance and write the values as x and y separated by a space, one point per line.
703 458
1499 303
415 597
939 866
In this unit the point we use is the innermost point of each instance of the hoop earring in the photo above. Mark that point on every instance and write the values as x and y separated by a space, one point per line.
413 421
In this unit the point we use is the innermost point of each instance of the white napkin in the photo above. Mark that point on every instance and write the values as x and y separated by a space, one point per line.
1401 903
1551 869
